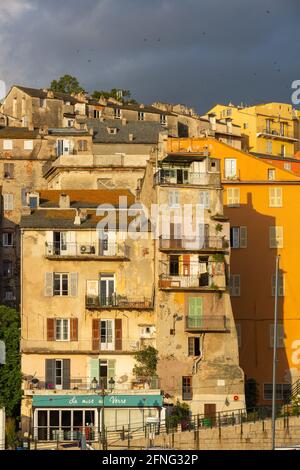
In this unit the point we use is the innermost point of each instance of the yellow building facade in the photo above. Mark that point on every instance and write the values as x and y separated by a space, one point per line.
261 203
267 129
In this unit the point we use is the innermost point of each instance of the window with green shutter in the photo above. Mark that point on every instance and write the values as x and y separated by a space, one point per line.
195 312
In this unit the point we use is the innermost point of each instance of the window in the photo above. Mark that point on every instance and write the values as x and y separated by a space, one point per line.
117 113
287 166
276 237
8 201
275 197
235 285
238 237
230 168
82 145
174 265
233 197
239 334
28 144
283 150
204 199
97 113
61 284
283 391
8 238
64 147
194 346
282 128
271 174
141 116
33 202
229 112
7 268
62 329
269 146
8 295
163 119
107 335
7 144
70 122
280 335
280 284
107 289
173 198
57 372
246 125
268 126
187 389
8 170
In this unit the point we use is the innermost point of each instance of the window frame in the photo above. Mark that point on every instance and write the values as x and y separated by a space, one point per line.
62 321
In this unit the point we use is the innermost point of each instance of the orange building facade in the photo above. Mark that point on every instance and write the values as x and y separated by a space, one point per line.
261 201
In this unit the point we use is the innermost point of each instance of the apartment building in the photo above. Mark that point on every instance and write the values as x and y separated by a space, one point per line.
196 333
261 202
92 309
24 153
267 129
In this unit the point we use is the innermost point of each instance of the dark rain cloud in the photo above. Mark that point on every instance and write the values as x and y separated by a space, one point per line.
196 52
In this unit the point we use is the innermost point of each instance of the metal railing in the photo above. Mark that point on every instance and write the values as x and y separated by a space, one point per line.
106 249
117 301
206 323
88 384
163 176
279 133
194 243
201 281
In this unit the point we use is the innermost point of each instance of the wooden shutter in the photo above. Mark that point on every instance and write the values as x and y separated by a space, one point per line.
186 265
195 311
50 329
191 346
74 329
50 373
233 196
243 237
94 369
111 369
66 374
73 284
48 285
118 334
95 335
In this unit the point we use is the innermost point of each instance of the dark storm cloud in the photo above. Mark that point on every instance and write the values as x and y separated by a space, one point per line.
194 51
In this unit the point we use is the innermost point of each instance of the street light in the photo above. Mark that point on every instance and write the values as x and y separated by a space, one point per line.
94 384
111 386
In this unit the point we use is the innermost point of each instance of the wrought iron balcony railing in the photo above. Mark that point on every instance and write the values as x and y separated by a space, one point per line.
194 244
206 323
80 250
117 301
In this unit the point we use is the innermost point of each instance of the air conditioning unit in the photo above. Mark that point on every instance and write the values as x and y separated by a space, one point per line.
86 249
147 332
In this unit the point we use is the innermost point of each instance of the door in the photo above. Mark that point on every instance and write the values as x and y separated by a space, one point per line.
210 413
175 236
179 176
107 289
107 336
60 243
174 265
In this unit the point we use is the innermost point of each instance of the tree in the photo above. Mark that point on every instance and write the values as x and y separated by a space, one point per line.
10 372
180 413
66 84
147 359
118 94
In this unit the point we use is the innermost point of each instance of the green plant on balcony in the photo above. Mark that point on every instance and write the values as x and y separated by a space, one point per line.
218 228
146 364
218 258
180 414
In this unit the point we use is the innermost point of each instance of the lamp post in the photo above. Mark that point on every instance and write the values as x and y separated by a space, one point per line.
104 392
275 353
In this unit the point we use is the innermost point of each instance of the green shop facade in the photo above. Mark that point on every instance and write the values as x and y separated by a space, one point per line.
66 417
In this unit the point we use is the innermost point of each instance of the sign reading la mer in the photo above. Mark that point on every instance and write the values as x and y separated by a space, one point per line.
91 401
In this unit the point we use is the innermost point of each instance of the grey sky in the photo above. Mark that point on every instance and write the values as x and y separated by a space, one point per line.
196 52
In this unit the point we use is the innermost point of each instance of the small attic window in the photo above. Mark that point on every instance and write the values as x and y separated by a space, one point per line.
112 130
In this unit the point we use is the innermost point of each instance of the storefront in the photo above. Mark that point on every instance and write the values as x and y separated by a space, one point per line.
66 417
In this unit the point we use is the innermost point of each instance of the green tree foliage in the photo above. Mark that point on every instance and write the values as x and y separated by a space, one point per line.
180 414
118 94
146 365
66 84
10 373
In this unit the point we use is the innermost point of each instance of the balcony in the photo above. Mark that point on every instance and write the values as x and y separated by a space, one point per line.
206 323
192 282
278 134
170 176
194 244
117 301
84 251
86 384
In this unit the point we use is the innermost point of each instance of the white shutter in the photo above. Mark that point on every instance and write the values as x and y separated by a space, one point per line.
280 335
49 242
92 288
73 280
66 147
71 243
48 291
233 196
235 237
275 197
276 237
243 237
111 243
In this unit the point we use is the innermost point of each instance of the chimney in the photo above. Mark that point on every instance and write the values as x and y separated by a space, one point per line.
131 137
81 216
50 94
229 125
77 220
212 121
64 201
